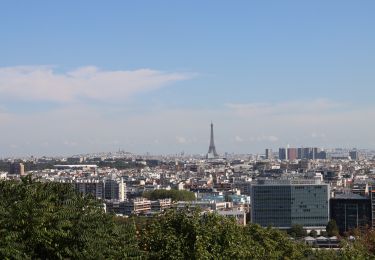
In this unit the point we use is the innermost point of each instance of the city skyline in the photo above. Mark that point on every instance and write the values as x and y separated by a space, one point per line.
149 77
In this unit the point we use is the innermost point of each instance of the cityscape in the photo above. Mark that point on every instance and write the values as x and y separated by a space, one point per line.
294 186
187 130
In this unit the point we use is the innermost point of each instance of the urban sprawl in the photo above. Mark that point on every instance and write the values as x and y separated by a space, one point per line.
308 187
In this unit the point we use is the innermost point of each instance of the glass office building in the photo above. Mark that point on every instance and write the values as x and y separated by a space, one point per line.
283 203
350 211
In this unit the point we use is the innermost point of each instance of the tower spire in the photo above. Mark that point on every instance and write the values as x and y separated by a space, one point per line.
211 149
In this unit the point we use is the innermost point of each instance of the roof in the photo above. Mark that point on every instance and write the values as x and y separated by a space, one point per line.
350 196
309 238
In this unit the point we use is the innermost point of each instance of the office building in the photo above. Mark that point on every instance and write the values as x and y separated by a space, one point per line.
93 187
114 189
269 155
350 211
108 189
283 203
283 155
132 207
292 154
354 155
17 168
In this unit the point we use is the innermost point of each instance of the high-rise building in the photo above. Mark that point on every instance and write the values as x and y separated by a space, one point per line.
17 168
269 154
108 189
114 189
354 155
292 154
283 154
212 149
94 187
307 153
372 198
284 203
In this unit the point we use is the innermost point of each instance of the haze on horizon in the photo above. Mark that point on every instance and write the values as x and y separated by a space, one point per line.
149 76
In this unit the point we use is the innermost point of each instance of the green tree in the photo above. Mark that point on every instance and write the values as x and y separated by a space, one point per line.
191 235
51 221
297 231
175 195
313 233
332 229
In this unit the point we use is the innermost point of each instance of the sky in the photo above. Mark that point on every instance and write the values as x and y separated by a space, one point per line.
150 76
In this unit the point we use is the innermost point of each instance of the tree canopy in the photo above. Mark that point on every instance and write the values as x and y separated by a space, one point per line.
175 195
49 220
332 228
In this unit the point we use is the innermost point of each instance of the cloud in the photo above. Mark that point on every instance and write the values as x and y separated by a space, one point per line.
290 108
43 83
264 138
269 138
181 140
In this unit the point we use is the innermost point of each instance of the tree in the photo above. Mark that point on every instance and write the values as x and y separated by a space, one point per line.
297 231
51 221
332 229
175 195
313 233
187 234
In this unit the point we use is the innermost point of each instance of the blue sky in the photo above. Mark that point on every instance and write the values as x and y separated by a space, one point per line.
149 76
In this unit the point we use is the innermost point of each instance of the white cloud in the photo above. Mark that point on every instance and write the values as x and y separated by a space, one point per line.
44 83
269 138
290 108
181 140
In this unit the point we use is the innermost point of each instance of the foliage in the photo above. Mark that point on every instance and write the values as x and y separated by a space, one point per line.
191 235
297 231
332 228
175 195
120 164
313 233
49 220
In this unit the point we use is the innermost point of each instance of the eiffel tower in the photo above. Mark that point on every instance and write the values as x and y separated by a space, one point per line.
212 150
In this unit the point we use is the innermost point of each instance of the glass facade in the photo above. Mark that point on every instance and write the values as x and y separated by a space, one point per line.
285 204
350 213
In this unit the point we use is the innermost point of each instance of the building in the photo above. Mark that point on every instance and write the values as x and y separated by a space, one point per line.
108 189
94 187
17 168
204 205
74 160
114 189
161 205
292 154
269 155
372 198
237 213
350 211
136 206
354 155
131 207
283 203
283 154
